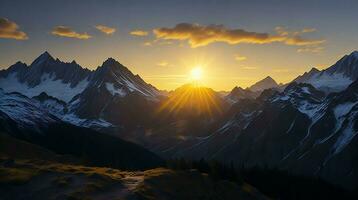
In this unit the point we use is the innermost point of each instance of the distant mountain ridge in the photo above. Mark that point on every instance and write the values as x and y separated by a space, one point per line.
336 77
252 92
238 93
300 130
66 80
265 83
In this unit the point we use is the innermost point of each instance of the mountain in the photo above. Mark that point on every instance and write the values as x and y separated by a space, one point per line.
238 93
335 78
300 130
265 83
195 100
66 80
45 74
112 91
82 97
24 118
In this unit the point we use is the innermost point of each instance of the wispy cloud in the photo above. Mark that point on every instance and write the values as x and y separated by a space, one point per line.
299 41
105 29
139 33
305 45
199 35
248 68
10 30
65 31
240 58
163 63
309 30
147 43
311 49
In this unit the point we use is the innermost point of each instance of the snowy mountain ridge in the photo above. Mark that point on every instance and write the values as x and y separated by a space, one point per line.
66 80
335 78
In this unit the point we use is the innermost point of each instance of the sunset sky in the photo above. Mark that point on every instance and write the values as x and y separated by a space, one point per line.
236 43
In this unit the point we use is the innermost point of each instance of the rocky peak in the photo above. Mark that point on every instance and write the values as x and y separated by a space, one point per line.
43 58
303 90
263 84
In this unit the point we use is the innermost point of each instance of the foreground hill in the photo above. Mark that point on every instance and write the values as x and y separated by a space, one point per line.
28 171
43 180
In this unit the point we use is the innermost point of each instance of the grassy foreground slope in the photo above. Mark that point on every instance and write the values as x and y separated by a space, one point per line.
28 171
26 179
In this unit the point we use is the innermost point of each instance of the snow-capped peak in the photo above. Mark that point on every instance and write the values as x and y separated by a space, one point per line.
335 78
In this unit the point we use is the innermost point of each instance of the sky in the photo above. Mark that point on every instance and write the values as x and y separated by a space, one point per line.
235 43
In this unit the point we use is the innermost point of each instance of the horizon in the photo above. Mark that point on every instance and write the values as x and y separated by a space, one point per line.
235 42
188 81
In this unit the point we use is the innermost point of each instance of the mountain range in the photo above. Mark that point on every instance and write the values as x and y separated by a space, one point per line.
307 126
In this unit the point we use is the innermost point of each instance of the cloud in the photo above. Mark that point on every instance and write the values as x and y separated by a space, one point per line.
105 29
240 58
10 30
65 31
199 35
299 41
311 49
281 31
163 63
147 43
139 33
249 68
308 30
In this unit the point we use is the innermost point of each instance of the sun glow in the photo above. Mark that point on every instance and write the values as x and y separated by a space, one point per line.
196 73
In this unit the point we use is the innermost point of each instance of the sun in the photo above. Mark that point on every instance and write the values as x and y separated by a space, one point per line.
196 73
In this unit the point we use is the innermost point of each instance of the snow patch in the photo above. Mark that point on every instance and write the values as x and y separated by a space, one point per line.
345 138
333 82
115 91
343 109
52 87
93 123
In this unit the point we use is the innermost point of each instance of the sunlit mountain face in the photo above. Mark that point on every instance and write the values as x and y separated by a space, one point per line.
195 100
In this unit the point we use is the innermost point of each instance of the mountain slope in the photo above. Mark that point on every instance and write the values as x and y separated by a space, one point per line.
22 118
335 78
45 74
66 80
265 83
95 99
238 93
299 130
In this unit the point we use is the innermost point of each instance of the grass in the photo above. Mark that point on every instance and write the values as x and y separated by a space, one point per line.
79 182
164 183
